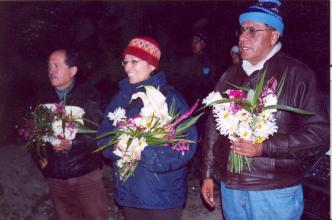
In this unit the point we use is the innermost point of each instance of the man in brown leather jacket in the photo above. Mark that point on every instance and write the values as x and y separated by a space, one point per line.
272 189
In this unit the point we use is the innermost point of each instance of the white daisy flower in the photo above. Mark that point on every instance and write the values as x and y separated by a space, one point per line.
118 115
212 97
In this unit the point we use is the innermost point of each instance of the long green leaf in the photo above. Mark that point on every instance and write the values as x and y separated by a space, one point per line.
91 122
110 133
221 101
86 130
187 123
110 143
156 122
172 109
251 97
130 140
289 108
259 88
239 87
282 82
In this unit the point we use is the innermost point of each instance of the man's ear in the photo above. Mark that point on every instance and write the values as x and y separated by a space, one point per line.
274 37
73 71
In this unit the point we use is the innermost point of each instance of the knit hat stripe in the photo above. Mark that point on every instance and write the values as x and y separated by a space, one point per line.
145 48
253 9
263 18
273 1
142 54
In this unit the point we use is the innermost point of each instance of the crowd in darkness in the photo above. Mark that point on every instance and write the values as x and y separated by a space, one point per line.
100 31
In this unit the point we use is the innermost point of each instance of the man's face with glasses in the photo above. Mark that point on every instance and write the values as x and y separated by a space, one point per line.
256 40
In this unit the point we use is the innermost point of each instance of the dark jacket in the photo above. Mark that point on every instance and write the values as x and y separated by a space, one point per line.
198 74
299 137
78 160
160 179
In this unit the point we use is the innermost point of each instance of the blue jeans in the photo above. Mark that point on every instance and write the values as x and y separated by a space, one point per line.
281 204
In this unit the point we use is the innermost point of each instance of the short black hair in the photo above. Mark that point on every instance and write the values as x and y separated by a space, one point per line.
72 57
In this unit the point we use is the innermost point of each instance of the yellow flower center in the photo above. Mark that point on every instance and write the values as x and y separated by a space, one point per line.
260 140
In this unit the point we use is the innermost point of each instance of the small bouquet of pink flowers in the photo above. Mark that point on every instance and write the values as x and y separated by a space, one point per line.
154 125
52 123
248 114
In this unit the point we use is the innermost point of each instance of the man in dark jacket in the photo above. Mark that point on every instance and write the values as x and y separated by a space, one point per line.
197 70
272 189
73 172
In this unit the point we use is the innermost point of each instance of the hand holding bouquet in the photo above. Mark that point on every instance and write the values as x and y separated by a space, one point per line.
52 123
154 125
248 114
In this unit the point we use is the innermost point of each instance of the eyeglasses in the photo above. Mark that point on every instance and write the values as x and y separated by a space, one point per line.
250 31
133 62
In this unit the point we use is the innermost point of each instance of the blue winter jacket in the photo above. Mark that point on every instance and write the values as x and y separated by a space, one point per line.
160 179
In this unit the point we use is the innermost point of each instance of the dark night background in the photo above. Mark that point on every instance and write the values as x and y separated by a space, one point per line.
101 30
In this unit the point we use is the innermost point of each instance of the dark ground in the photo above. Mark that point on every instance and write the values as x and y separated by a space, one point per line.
23 191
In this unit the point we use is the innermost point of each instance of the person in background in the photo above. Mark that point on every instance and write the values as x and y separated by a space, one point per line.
158 187
272 189
197 70
198 74
74 174
235 54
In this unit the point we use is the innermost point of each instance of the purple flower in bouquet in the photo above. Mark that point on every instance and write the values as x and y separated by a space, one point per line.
154 125
170 135
185 115
269 89
236 94
59 109
24 134
52 123
250 114
172 127
181 146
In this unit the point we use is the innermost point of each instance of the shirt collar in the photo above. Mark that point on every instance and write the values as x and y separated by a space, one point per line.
249 68
62 93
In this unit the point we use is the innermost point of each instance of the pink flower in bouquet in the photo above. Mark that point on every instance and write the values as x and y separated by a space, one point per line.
24 134
170 135
59 109
181 146
131 122
269 89
154 125
185 115
236 94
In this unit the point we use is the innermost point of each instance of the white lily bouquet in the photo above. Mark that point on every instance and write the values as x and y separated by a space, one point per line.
248 114
52 123
154 125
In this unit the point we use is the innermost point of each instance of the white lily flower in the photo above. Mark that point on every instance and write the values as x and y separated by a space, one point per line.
154 104
75 111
